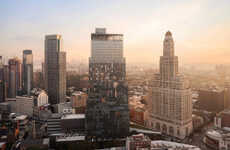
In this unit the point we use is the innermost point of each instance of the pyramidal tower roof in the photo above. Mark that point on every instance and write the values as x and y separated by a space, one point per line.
168 33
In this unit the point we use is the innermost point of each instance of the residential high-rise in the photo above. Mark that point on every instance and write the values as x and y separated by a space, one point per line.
2 81
27 74
107 112
55 69
171 96
15 73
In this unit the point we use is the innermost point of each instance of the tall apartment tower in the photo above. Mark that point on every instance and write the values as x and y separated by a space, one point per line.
15 77
107 113
171 96
27 73
2 81
55 69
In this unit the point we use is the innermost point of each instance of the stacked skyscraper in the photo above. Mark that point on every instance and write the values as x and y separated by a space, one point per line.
171 96
27 71
107 113
55 69
16 78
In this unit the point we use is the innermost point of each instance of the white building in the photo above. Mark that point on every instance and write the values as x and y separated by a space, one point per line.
171 96
41 98
25 104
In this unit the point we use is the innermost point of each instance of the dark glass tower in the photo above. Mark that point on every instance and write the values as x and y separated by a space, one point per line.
107 111
55 69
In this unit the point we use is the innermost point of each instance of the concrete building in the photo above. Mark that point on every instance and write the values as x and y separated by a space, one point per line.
54 124
63 108
22 105
55 69
65 123
27 71
171 96
78 101
15 74
107 112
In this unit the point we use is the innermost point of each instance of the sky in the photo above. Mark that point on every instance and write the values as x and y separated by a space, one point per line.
200 28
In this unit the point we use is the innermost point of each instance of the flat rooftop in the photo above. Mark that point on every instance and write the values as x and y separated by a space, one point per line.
73 116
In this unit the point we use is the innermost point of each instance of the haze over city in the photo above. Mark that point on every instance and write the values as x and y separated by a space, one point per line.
115 75
201 28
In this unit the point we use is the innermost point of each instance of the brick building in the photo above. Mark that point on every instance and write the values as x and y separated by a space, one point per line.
137 142
78 101
214 100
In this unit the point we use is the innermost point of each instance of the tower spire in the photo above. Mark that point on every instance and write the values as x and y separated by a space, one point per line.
168 45
168 62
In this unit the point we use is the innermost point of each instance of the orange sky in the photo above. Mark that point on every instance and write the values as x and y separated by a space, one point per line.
200 28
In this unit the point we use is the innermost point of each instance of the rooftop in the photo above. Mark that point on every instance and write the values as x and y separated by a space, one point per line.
168 33
173 145
73 116
76 93
70 138
21 117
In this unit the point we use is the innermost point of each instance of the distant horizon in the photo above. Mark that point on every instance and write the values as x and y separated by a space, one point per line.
200 28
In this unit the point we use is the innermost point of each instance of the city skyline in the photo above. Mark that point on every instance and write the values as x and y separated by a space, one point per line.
200 27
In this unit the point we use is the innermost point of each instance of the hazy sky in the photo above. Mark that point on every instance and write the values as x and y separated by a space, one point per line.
201 28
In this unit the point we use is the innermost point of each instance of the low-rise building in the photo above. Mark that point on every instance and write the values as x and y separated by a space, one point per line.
222 119
54 124
139 141
137 110
63 108
22 124
35 143
22 105
65 123
73 123
197 122
166 145
218 139
4 111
